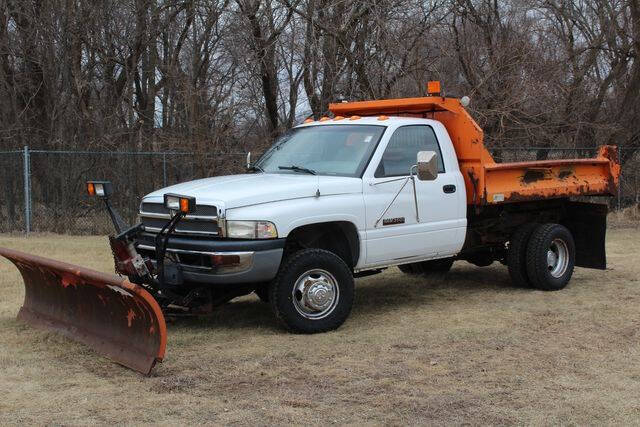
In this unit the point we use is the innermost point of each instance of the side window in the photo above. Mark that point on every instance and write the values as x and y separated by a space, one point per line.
402 150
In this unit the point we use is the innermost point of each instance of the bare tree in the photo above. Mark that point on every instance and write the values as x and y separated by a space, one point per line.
225 74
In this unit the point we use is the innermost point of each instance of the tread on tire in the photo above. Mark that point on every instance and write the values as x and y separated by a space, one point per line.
282 288
517 255
542 240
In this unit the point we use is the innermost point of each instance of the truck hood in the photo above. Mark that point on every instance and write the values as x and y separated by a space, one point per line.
234 191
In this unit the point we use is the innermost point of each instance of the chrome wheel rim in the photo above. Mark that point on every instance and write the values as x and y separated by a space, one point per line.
557 258
315 294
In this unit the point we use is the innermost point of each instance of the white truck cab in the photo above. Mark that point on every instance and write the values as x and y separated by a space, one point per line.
332 200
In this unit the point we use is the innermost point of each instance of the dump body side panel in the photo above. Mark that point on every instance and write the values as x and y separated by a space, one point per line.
518 182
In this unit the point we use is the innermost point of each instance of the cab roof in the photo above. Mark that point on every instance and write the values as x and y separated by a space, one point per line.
380 120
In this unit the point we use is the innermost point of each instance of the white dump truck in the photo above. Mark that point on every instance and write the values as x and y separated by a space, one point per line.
400 182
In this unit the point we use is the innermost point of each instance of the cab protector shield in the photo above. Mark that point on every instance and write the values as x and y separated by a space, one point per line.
114 317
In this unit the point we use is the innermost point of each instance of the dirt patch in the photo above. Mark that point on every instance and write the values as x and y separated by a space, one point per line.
460 348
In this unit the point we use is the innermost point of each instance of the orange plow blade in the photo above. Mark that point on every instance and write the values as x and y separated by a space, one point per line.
116 318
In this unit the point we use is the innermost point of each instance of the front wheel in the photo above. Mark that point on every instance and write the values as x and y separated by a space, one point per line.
262 291
313 291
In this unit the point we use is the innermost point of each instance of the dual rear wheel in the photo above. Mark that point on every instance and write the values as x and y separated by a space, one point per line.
541 256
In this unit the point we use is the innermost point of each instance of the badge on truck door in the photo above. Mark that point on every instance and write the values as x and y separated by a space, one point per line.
393 221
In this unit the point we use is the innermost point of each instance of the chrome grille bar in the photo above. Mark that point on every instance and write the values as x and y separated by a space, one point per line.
181 231
187 217
204 222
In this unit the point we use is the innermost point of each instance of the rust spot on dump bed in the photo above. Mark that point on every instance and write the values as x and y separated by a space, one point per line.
517 197
565 174
532 175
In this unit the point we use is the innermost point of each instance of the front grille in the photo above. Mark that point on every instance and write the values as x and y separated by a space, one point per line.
202 222
159 208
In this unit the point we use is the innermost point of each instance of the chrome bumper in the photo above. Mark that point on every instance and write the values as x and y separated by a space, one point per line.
245 259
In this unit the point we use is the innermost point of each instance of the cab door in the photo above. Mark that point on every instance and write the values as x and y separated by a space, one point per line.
395 229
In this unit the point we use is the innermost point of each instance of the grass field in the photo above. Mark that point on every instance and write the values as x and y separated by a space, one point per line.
458 348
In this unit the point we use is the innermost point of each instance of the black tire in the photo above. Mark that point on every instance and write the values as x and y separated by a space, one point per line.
426 267
542 274
517 255
289 304
262 292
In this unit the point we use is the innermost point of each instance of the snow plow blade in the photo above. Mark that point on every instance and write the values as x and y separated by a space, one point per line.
114 317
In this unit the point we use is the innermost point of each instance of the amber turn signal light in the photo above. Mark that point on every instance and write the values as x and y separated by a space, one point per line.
102 189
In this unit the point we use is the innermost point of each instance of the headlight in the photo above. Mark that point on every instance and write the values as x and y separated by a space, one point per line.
177 202
99 188
251 230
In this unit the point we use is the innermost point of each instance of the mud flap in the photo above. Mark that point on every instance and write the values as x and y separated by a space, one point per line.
588 225
114 317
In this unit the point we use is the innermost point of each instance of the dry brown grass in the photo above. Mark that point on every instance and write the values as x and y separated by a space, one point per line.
628 217
460 348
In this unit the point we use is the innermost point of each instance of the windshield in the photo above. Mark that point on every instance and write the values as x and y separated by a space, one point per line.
341 150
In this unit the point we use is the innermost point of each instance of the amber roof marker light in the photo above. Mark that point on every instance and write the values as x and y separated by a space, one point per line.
433 88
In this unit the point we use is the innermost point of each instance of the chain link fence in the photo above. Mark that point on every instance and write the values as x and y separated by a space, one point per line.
44 191
56 185
12 208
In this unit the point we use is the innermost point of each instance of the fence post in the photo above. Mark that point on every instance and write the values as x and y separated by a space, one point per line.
620 179
27 190
164 169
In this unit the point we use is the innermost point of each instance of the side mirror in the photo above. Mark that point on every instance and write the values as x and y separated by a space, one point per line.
427 165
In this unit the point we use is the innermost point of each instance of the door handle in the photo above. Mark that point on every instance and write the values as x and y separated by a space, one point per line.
450 188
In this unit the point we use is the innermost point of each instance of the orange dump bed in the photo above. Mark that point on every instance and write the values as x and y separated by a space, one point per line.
486 181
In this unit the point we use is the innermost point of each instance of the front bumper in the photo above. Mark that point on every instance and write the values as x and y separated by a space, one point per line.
259 260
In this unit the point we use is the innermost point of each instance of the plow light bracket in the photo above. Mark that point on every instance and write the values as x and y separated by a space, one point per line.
180 203
102 189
